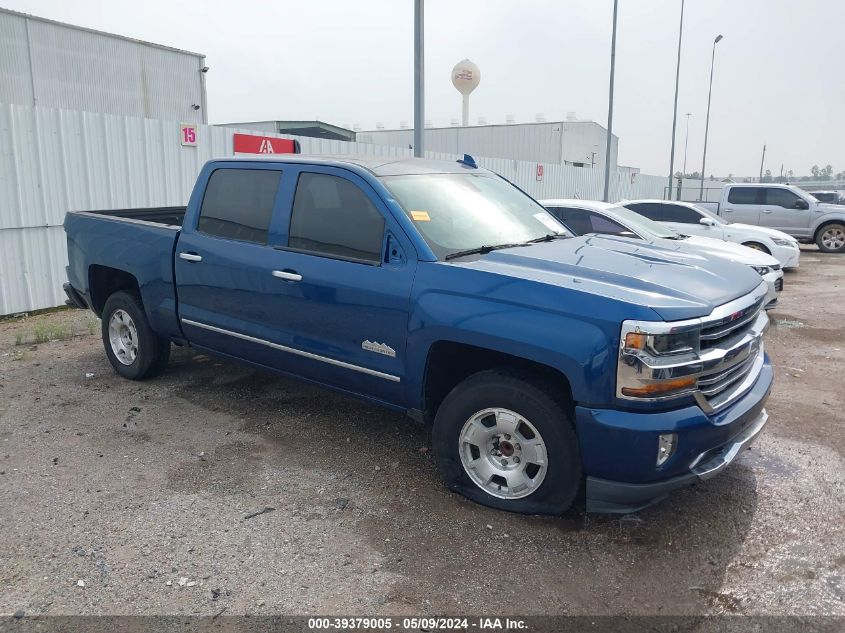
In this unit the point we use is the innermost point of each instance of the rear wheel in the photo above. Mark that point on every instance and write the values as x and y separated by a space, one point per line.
831 238
133 349
501 440
758 247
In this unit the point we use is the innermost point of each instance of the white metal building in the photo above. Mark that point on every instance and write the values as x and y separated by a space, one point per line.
574 143
56 65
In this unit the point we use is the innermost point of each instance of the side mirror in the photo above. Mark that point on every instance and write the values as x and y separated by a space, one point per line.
707 222
802 204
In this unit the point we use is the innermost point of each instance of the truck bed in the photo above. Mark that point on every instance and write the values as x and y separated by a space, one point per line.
170 216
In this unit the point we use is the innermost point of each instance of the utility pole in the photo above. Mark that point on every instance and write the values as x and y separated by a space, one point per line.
675 110
419 78
607 162
762 160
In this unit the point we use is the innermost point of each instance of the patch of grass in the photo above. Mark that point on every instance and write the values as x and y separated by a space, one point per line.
93 324
46 332
19 339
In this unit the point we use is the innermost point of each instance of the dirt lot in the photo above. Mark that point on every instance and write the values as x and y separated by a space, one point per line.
142 492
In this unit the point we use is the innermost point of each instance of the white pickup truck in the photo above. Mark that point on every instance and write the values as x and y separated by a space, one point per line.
785 208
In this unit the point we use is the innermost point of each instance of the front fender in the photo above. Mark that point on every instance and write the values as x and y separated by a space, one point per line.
581 350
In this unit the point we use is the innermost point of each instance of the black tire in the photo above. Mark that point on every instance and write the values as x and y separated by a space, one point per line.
757 247
824 230
153 352
530 399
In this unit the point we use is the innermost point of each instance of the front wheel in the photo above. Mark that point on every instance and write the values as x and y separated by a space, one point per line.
501 440
757 247
133 349
831 238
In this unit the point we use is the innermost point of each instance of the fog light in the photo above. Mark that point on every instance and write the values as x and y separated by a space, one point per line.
666 444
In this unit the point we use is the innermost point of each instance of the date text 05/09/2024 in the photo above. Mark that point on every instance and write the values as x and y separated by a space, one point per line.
417 623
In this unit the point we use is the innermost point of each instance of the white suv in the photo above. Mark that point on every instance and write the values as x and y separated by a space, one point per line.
690 219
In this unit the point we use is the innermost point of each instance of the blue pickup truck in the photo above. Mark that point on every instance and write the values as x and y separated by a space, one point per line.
547 364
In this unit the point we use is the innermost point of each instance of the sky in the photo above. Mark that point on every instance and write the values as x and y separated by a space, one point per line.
778 71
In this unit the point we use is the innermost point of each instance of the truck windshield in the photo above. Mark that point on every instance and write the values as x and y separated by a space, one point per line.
461 212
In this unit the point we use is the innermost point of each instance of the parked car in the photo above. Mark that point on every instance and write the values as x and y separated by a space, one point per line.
785 208
588 216
829 197
685 217
438 289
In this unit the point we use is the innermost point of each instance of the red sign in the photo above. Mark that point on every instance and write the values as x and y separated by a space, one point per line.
250 144
539 171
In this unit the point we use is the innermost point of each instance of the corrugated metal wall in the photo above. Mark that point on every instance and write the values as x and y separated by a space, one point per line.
52 161
55 65
553 142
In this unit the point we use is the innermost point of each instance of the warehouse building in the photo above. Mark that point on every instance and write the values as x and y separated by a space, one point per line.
571 142
312 129
56 65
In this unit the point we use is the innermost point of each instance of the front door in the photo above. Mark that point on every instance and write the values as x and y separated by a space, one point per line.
346 270
785 211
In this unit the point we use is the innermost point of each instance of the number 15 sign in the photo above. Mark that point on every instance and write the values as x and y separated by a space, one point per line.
188 134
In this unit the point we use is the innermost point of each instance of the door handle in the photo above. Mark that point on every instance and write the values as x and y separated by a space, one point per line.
288 275
765 210
190 257
728 210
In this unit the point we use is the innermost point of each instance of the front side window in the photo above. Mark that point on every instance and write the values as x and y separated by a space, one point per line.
781 198
744 195
332 216
680 213
238 204
606 226
458 212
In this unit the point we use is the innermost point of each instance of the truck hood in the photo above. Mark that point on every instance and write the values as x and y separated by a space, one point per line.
675 284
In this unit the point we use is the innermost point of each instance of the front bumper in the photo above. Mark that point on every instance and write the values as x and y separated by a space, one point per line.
788 256
619 448
774 285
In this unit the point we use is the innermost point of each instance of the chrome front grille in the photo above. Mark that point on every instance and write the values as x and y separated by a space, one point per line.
716 333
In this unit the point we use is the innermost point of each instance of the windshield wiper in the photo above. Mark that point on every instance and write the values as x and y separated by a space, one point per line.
481 250
548 237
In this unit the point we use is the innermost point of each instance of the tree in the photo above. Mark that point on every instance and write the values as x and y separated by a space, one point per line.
815 171
827 171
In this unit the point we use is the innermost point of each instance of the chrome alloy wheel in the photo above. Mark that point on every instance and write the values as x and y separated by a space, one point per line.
833 238
503 453
123 337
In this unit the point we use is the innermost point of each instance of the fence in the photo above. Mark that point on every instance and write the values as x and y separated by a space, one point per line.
52 161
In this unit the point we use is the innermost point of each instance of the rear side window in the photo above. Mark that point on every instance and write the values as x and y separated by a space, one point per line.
680 213
744 195
577 220
781 198
650 210
238 204
332 216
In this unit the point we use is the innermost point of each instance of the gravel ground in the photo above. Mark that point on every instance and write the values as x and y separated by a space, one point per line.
121 497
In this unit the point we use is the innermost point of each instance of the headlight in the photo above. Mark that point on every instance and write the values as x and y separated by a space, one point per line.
657 361
763 270
783 242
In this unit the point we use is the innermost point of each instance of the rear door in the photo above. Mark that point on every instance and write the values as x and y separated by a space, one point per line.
223 259
784 210
743 205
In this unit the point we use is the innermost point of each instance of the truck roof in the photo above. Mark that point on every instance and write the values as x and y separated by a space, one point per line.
378 165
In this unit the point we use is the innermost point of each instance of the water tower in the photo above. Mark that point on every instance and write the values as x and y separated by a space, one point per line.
465 77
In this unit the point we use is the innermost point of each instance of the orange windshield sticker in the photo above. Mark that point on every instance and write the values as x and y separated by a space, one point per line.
421 216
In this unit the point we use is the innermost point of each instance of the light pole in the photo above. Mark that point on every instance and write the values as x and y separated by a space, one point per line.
707 121
610 105
686 142
419 78
675 110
